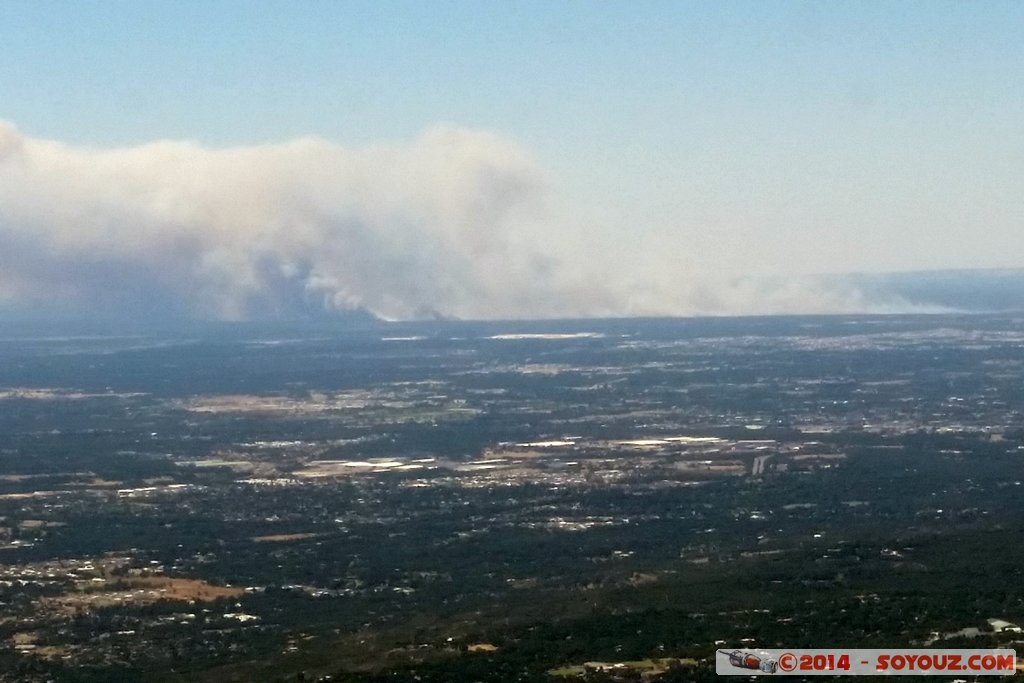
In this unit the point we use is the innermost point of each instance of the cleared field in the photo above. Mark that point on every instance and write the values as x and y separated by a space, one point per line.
141 590
282 538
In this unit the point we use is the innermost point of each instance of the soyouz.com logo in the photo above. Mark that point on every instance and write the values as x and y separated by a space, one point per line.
839 662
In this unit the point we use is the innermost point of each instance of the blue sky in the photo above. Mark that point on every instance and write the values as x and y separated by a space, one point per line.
748 136
650 73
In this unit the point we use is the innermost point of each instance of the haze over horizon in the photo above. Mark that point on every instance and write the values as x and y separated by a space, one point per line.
520 160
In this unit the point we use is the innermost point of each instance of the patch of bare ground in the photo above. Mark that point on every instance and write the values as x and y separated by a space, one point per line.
141 590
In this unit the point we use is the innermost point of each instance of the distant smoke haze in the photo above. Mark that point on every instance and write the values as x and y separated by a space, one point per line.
453 223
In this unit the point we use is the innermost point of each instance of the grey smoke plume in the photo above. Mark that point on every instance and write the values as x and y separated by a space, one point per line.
453 223
442 224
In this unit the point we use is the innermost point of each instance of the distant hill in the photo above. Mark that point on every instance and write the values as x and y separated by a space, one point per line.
940 291
968 291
